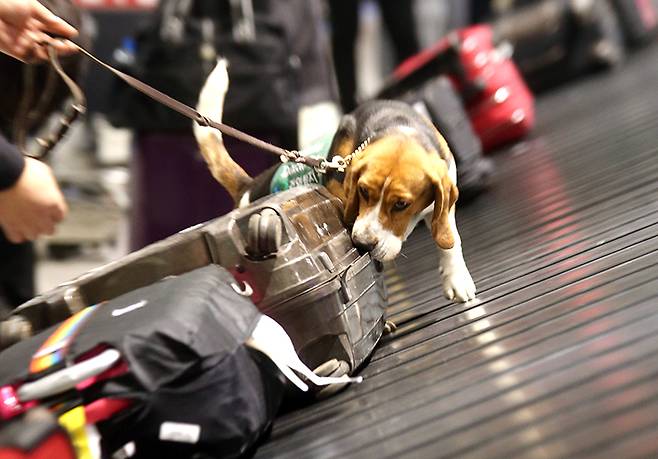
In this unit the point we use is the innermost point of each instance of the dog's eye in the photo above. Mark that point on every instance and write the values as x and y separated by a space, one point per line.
400 205
364 192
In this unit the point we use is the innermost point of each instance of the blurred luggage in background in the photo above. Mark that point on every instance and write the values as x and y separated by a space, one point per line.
497 100
554 41
639 20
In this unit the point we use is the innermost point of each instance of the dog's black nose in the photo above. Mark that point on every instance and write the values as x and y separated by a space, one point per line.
365 246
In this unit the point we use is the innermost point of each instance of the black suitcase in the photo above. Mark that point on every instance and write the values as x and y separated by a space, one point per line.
181 369
557 40
438 100
639 19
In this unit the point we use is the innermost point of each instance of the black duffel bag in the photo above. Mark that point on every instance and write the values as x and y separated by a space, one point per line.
177 51
554 41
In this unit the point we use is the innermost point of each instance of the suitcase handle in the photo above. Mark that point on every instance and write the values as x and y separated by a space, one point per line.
68 378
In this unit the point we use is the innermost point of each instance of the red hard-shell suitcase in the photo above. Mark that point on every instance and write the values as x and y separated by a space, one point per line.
503 110
498 102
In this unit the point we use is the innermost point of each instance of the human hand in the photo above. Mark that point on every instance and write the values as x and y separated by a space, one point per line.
33 205
24 29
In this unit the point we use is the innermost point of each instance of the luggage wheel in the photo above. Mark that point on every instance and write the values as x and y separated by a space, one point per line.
389 327
13 330
264 233
333 367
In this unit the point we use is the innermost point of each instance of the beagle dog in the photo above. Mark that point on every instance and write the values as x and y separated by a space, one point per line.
401 171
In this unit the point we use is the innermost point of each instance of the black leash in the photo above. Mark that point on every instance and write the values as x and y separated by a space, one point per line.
71 112
78 107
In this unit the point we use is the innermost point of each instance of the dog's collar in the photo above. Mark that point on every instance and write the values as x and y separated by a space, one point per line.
348 159
340 163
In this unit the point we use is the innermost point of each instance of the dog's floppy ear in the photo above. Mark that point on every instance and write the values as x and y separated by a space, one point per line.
343 144
351 187
445 196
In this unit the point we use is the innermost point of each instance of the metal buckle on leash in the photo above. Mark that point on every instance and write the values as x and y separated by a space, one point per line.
337 163
340 163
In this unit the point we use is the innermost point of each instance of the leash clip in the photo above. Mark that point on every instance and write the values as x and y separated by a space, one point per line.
340 163
337 163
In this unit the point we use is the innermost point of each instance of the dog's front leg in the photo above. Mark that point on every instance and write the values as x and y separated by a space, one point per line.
457 281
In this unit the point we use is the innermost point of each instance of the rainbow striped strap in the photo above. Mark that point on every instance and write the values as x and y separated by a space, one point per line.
53 350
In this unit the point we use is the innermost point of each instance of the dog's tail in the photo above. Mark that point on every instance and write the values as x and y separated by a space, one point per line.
211 104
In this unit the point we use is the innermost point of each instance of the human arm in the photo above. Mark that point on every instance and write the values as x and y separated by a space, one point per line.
24 29
31 202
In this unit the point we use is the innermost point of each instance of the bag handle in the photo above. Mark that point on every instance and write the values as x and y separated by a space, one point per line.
242 20
174 13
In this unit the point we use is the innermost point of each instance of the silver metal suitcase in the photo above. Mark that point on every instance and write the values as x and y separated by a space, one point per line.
289 252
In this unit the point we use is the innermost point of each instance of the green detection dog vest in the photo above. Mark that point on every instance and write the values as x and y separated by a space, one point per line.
290 175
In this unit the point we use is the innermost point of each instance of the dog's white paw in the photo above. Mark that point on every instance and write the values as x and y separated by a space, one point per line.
458 285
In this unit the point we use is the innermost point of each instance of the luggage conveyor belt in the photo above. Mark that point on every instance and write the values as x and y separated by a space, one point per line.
557 356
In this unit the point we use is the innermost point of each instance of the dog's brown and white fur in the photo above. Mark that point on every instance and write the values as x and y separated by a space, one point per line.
405 173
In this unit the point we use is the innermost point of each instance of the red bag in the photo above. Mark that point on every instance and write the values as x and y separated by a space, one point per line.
504 110
37 435
498 102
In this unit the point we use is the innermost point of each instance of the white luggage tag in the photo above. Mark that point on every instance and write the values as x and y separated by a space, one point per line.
270 338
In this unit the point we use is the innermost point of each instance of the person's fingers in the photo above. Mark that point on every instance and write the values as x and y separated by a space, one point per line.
20 52
64 47
58 213
52 23
5 36
31 48
10 40
40 53
47 226
37 36
31 43
29 234
50 230
23 47
13 235
22 42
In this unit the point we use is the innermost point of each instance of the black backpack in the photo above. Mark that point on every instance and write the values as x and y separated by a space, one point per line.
195 388
177 51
